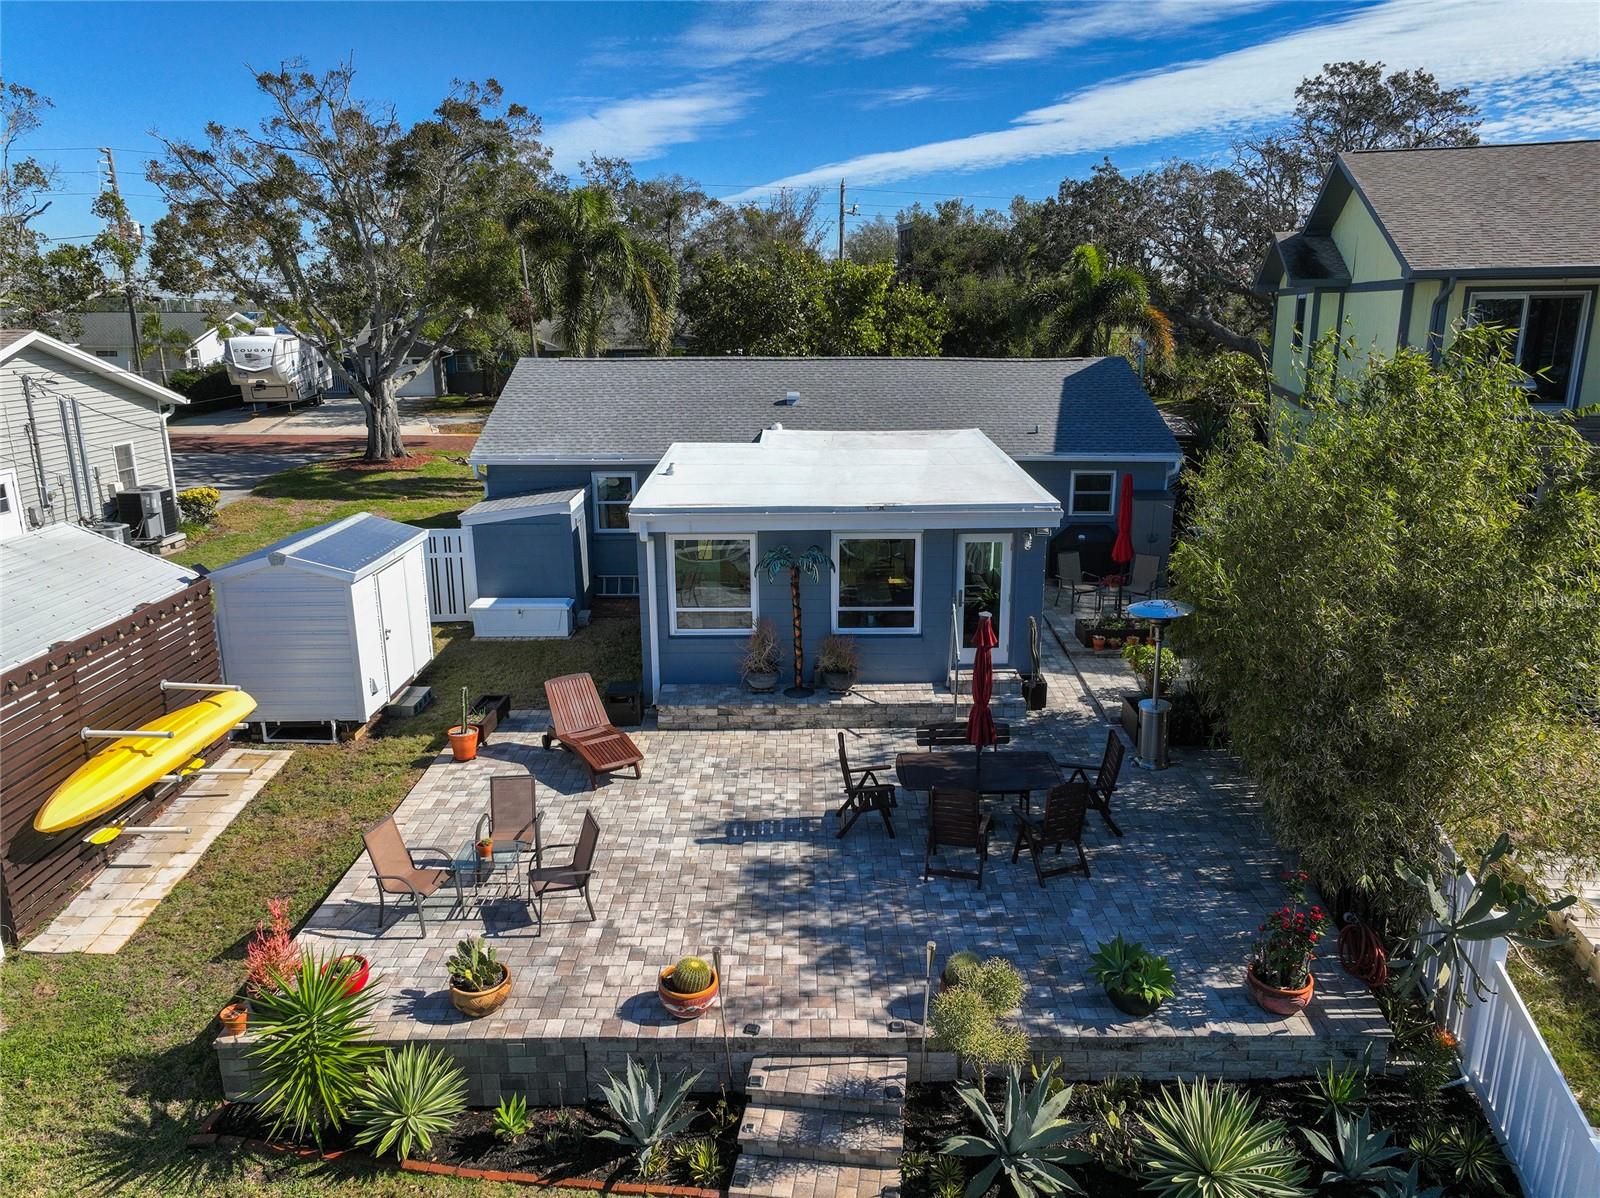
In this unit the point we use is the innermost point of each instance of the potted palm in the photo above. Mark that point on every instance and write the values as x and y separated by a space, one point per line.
1136 980
688 988
839 662
479 982
1279 974
758 668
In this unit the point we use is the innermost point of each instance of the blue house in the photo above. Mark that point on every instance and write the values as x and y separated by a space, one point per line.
935 485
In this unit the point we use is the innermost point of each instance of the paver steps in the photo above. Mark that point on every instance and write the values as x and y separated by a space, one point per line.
822 1127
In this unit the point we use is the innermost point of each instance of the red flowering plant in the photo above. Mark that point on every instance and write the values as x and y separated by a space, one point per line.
1287 939
272 954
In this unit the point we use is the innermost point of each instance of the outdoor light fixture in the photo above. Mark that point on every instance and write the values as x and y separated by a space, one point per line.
1155 712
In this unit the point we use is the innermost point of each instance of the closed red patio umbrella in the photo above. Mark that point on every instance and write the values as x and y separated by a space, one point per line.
980 723
1122 550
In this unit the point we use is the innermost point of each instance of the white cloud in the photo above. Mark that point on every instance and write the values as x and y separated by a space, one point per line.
796 32
1065 25
892 97
1482 43
644 127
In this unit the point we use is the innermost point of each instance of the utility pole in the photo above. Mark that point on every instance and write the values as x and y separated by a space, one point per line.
125 231
841 220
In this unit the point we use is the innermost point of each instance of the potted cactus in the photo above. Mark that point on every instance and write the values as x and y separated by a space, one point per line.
463 737
1034 690
688 988
479 982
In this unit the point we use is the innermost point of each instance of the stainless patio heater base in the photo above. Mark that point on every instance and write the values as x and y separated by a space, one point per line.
1155 713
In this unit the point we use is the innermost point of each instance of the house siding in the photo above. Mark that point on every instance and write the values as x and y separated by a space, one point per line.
1093 535
612 553
109 413
540 557
1362 245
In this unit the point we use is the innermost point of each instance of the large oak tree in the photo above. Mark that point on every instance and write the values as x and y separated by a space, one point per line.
335 217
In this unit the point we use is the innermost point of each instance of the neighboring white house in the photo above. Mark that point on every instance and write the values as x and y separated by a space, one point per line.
75 430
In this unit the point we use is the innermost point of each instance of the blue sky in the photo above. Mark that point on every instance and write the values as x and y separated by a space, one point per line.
906 101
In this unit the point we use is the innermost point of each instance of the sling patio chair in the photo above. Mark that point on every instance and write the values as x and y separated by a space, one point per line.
956 820
1142 579
571 878
397 873
513 815
578 722
1070 576
1105 779
863 792
1064 810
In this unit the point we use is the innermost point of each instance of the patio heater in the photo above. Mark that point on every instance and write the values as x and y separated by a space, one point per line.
1155 712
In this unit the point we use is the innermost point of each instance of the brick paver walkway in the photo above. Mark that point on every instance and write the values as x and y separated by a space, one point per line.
729 842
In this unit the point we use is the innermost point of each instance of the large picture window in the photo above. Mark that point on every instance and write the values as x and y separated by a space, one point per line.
875 584
713 585
1091 493
1548 335
612 495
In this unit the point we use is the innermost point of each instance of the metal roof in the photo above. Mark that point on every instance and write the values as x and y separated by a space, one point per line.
837 479
63 582
349 549
632 409
512 506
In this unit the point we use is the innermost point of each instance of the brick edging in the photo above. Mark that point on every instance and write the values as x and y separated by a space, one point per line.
206 1138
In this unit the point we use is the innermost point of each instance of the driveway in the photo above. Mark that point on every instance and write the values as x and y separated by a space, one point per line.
340 416
235 473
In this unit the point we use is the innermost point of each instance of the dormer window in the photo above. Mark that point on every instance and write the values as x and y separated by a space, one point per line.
1548 328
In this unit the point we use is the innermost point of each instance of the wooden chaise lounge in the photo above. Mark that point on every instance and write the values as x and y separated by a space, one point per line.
578 722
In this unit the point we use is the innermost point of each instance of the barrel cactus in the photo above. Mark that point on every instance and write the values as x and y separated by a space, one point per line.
959 966
691 975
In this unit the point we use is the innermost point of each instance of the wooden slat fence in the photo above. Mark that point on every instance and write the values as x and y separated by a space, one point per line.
108 679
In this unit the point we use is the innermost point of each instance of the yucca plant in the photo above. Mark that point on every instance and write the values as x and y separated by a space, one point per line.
313 1048
1027 1141
647 1107
511 1118
1472 1156
1203 1140
1356 1155
947 1177
701 1160
414 1095
1342 1089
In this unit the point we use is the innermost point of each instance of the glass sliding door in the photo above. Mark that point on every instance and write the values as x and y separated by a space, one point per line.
984 564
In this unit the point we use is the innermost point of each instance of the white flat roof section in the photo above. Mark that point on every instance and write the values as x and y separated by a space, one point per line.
794 479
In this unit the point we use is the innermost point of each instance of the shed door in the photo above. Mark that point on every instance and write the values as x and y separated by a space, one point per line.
10 505
394 616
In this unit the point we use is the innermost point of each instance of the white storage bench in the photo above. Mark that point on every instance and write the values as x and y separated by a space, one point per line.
521 619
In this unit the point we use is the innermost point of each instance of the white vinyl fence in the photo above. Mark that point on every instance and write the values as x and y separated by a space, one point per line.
452 578
1555 1151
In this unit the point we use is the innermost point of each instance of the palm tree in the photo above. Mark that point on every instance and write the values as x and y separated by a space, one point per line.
585 256
1089 304
157 341
812 562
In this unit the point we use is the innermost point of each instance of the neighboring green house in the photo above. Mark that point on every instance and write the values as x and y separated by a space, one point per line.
1402 245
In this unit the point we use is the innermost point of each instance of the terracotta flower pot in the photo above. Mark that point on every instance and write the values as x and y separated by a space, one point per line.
1276 1001
1099 642
359 977
464 742
485 849
686 1006
1131 1004
234 1017
475 1004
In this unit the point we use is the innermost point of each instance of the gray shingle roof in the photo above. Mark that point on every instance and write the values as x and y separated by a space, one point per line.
1310 257
1524 207
631 409
63 582
110 330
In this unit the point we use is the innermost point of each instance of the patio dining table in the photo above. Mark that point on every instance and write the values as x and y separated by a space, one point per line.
1011 772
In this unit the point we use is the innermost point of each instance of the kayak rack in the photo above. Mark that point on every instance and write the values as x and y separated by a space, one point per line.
121 733
107 833
218 771
198 686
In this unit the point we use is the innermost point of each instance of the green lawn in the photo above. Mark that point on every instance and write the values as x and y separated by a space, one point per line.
106 1063
1566 1006
428 496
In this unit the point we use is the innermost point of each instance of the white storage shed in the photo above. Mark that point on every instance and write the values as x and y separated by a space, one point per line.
328 625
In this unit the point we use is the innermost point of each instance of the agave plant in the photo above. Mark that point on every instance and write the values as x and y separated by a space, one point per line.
1027 1141
1342 1088
414 1095
511 1118
701 1160
1472 1156
1357 1154
1492 907
1409 1185
647 1107
314 1047
1203 1140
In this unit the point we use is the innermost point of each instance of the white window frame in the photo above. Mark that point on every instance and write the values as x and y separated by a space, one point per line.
672 585
1526 296
892 534
110 355
599 504
1072 494
133 464
1299 314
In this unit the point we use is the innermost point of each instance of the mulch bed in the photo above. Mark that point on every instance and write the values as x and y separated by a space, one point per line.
934 1113
559 1150
360 466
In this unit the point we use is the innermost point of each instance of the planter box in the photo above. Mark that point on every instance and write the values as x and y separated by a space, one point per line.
496 711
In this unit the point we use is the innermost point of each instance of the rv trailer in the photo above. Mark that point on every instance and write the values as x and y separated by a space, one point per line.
274 367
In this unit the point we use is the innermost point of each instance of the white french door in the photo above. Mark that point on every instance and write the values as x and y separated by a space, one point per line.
983 566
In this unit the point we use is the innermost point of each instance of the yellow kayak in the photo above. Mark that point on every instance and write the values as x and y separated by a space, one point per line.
125 767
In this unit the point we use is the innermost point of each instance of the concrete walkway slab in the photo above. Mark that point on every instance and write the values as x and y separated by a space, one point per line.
105 914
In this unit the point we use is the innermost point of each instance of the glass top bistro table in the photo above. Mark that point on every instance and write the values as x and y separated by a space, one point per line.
504 867
1009 772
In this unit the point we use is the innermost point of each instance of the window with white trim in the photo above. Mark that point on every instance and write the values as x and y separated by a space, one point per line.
1547 329
612 495
712 585
1297 331
875 583
108 353
1090 493
127 468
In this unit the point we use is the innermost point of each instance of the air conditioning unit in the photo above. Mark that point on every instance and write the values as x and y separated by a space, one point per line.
113 529
150 510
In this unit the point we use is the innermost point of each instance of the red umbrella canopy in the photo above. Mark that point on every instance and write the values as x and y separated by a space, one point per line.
1122 551
980 724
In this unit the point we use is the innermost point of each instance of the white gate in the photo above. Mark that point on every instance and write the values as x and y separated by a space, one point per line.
452 577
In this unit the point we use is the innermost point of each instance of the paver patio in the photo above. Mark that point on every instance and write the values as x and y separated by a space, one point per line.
728 842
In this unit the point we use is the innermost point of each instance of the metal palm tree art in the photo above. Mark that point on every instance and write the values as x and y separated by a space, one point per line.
812 563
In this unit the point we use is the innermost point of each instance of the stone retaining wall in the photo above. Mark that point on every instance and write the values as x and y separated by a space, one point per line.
891 705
